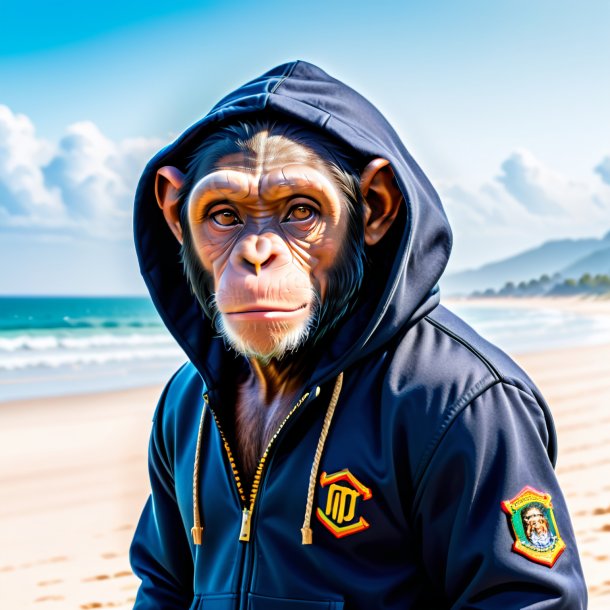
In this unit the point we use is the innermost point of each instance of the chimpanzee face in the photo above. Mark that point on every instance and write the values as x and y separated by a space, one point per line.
274 232
268 231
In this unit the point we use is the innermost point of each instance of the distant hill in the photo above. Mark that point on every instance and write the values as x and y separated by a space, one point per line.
597 262
564 256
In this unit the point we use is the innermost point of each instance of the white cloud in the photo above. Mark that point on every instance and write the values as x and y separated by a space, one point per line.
603 169
527 204
84 183
541 189
23 193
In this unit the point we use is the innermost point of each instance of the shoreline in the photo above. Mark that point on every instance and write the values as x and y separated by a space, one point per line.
73 474
576 304
523 325
43 382
77 399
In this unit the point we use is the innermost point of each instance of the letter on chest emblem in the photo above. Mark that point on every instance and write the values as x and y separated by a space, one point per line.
344 489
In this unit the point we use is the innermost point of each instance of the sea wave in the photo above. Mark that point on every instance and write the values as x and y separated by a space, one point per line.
68 323
52 342
57 359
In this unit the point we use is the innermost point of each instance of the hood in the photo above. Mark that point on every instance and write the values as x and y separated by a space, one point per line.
414 258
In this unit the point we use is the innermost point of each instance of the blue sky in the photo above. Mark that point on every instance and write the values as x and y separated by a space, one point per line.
504 104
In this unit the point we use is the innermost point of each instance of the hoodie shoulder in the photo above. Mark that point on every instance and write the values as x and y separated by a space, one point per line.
440 367
179 408
479 352
497 362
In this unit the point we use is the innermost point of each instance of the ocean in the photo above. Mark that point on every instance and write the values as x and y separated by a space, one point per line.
53 346
526 329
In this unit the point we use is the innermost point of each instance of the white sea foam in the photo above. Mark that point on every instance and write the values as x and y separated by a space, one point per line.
52 342
71 350
523 330
76 358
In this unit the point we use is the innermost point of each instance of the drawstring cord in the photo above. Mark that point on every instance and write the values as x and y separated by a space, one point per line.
306 531
197 529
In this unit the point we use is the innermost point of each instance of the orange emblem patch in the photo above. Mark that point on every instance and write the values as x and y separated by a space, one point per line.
534 527
339 515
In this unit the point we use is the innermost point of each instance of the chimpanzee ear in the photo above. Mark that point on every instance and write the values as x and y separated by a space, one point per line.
382 199
168 183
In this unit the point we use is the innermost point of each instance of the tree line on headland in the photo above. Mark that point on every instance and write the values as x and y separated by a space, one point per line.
554 285
586 261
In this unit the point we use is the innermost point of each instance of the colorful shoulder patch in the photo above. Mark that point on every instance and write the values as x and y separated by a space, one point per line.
534 527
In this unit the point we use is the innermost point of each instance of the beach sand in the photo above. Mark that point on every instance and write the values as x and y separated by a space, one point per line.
73 481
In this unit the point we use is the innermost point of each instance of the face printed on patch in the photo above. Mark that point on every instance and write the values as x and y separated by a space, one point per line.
536 526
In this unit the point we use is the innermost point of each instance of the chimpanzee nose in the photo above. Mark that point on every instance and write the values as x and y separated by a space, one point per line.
256 252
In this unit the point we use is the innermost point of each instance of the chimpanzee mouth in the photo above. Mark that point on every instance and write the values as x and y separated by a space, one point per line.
267 312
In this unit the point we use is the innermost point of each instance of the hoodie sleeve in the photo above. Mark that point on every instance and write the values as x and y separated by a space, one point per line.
160 555
491 452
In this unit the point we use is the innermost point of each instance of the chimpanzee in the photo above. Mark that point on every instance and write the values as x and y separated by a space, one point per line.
338 439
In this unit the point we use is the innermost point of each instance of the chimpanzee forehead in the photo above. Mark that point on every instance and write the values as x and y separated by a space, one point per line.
265 164
268 152
271 184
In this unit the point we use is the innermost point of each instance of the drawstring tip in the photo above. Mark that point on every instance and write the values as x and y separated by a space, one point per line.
307 535
197 534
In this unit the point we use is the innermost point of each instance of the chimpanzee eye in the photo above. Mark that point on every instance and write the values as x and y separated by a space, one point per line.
300 212
225 218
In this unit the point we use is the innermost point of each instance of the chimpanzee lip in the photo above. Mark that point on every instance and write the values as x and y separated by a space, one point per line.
267 314
266 309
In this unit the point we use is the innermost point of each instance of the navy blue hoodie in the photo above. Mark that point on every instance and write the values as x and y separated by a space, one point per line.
438 459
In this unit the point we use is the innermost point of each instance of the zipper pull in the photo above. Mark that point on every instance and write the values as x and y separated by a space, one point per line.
244 534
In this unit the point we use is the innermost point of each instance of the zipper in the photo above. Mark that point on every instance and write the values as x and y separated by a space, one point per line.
236 478
248 505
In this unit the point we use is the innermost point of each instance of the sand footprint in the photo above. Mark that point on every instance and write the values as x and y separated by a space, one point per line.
121 574
46 583
92 605
96 577
109 555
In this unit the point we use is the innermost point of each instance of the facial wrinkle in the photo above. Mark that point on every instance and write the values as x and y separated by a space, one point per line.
290 180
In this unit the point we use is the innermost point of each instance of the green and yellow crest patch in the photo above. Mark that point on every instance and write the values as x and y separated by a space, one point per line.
534 527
